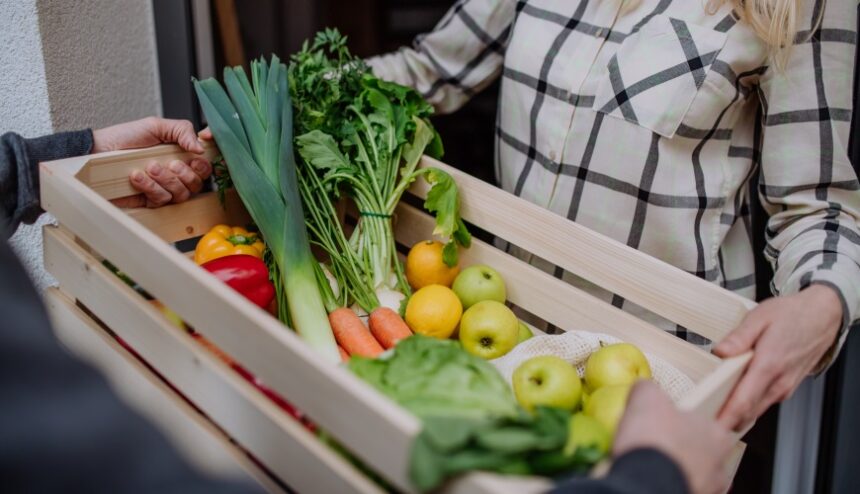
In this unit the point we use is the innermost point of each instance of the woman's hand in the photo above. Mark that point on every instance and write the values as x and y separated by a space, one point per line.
176 182
789 336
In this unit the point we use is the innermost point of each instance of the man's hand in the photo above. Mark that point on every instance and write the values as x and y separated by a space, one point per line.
789 336
700 447
159 185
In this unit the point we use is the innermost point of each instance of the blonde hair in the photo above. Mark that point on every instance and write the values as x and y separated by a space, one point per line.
774 21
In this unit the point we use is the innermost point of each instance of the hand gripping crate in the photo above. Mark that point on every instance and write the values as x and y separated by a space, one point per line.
140 242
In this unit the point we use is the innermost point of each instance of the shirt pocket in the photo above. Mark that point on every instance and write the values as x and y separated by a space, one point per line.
654 76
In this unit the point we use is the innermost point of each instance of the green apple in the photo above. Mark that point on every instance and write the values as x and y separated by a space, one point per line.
524 334
477 283
547 381
606 405
489 329
585 432
620 363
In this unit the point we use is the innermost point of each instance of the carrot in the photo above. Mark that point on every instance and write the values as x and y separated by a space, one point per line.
343 355
351 333
388 327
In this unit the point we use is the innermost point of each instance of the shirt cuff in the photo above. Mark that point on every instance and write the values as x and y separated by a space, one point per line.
842 286
647 471
847 288
59 146
390 67
26 154
640 471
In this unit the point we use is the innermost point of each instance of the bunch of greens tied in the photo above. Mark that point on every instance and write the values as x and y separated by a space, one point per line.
471 420
363 137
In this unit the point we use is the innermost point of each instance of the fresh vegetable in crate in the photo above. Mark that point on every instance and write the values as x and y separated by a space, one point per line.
223 240
359 137
246 274
252 123
362 137
471 419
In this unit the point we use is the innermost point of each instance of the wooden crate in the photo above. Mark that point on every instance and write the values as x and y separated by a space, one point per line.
380 433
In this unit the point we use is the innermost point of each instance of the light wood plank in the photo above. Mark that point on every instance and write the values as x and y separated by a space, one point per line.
107 173
561 303
192 218
711 392
384 438
252 419
661 288
277 355
67 317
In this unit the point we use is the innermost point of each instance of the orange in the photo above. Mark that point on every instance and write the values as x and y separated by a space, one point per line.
435 311
424 266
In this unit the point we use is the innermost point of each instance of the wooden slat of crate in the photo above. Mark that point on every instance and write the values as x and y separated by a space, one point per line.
562 304
291 451
269 351
68 318
682 298
373 427
568 307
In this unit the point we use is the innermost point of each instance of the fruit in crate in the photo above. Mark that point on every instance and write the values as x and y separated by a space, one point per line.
223 240
606 405
524 333
548 381
247 275
586 432
616 364
489 329
425 265
478 283
434 311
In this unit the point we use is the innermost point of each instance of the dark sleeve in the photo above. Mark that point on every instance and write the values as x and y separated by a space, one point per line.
61 427
19 171
642 471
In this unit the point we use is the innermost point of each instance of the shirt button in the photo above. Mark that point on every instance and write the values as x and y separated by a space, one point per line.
599 33
552 155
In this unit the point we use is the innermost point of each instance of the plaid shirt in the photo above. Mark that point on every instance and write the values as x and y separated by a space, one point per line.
645 121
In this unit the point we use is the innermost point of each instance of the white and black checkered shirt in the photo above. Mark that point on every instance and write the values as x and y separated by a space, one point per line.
645 121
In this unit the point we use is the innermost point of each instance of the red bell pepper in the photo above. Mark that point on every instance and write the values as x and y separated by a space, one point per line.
247 275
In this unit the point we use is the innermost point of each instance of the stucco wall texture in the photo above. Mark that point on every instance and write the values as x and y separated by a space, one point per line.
100 62
23 91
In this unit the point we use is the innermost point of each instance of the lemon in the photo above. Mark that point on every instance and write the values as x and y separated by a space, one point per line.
424 266
434 311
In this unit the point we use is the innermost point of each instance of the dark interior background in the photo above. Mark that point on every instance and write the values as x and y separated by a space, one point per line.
373 27
379 26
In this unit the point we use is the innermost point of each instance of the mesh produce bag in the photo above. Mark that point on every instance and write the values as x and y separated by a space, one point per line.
576 346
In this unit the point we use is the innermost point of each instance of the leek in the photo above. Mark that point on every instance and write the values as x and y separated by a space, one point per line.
252 123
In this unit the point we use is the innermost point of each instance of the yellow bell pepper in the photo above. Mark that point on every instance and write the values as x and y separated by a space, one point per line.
223 240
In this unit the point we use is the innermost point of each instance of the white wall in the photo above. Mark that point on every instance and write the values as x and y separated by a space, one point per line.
24 104
100 61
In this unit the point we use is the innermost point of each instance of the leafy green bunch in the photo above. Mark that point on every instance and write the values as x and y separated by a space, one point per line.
364 137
